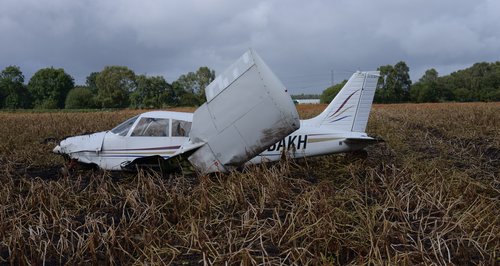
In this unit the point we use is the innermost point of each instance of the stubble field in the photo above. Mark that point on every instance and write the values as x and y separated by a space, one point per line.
429 195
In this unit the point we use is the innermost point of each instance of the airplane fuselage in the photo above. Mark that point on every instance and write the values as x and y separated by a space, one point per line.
214 139
113 151
310 141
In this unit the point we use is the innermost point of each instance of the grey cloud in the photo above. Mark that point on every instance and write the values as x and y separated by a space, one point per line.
301 41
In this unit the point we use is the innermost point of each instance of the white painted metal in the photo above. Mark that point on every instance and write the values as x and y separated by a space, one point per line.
111 151
248 121
248 110
308 101
365 101
227 77
352 103
339 128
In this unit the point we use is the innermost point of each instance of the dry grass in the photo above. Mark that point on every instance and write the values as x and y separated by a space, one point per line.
429 195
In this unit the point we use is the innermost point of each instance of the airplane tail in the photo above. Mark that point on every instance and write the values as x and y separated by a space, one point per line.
349 110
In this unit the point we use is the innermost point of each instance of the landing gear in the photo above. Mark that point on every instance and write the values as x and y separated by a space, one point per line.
72 165
175 165
68 168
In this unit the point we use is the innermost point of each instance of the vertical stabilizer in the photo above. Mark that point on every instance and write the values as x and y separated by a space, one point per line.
349 110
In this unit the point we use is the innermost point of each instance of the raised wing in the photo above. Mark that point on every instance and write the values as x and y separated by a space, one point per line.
247 110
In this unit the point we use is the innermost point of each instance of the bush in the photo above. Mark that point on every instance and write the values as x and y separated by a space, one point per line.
80 98
330 93
49 87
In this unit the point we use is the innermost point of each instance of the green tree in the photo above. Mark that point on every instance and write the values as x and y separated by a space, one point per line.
480 82
80 97
195 83
403 81
427 88
332 91
430 75
114 84
13 92
204 76
178 92
187 82
190 99
394 83
385 84
49 87
462 95
152 92
91 81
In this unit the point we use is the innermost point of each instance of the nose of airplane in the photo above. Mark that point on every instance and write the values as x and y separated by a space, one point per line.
57 149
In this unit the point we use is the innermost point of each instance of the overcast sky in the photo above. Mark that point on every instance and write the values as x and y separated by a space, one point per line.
302 41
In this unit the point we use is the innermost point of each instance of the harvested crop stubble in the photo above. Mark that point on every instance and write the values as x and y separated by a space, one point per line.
429 194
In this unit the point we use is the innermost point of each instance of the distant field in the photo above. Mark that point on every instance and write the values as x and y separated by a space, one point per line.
429 194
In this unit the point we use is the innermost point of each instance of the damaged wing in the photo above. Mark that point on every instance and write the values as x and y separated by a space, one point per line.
247 110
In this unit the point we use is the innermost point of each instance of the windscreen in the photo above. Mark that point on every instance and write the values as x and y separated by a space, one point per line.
123 128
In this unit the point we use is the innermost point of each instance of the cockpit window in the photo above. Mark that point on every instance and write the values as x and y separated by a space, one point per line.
151 127
180 128
123 128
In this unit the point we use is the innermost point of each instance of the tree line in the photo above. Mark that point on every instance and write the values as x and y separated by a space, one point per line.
120 87
480 82
113 87
305 96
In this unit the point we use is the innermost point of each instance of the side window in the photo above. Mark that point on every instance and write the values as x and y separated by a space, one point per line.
180 128
151 127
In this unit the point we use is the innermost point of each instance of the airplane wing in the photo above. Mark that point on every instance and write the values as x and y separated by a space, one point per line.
247 110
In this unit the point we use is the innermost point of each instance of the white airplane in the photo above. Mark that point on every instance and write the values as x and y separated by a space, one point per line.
339 128
247 118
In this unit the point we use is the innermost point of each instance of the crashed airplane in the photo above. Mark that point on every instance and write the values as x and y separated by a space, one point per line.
248 118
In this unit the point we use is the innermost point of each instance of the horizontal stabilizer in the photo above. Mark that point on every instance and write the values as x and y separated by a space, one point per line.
365 141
